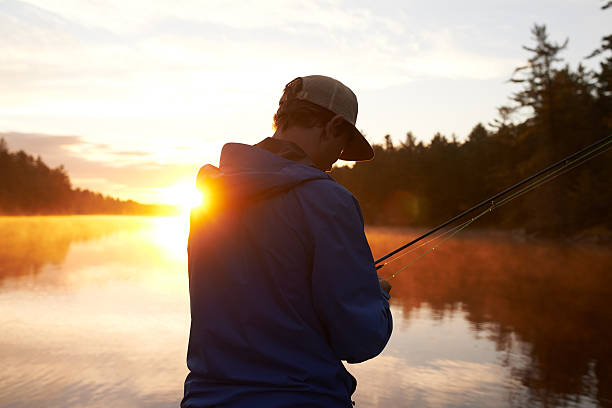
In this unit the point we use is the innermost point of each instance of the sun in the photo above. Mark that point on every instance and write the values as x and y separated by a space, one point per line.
184 195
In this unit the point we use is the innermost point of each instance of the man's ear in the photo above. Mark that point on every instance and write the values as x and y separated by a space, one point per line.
334 126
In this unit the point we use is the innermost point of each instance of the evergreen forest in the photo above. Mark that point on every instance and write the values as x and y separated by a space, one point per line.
28 186
555 111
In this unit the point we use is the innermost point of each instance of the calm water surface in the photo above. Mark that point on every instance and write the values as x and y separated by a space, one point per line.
95 313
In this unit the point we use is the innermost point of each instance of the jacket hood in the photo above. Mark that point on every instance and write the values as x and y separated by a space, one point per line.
248 172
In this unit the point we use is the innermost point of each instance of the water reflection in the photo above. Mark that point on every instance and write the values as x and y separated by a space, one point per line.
27 244
549 300
437 363
95 313
98 317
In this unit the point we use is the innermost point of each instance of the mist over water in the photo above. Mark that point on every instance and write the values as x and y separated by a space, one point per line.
95 312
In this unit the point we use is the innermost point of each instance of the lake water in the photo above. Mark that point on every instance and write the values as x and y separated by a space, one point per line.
95 313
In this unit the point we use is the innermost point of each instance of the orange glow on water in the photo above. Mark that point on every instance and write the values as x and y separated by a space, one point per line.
487 313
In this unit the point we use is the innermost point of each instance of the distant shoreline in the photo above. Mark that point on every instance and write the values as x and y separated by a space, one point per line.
169 214
29 187
156 211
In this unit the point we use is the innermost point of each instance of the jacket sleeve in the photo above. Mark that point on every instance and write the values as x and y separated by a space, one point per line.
347 297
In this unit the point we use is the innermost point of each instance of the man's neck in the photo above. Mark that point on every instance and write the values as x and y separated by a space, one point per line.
286 149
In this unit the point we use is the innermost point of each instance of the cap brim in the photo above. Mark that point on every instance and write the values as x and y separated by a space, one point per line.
358 149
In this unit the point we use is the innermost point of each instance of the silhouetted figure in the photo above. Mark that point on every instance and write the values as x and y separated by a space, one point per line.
281 276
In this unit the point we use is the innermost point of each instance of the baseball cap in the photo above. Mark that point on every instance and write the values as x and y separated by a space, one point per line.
336 97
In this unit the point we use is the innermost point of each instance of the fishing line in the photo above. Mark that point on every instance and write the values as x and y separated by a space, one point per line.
591 148
536 183
550 178
568 166
435 238
418 258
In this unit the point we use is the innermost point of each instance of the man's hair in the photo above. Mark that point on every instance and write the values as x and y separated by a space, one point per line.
297 112
302 114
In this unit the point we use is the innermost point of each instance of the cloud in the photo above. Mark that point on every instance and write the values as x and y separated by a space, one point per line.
132 153
56 148
138 16
196 62
145 79
194 72
96 166
91 45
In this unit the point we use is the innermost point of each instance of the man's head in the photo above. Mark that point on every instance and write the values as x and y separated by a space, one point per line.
318 113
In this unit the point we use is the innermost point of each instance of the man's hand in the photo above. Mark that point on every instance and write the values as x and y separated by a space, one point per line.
384 285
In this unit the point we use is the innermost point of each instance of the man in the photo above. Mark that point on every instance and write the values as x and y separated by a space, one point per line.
281 278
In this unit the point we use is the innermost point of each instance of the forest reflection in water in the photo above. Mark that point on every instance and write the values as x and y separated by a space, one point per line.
27 244
95 313
552 300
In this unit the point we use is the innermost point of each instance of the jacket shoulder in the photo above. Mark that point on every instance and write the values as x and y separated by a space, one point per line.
327 188
328 196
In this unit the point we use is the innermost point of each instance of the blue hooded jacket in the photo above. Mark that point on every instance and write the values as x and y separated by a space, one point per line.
282 286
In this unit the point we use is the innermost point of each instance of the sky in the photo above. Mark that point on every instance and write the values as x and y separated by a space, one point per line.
132 97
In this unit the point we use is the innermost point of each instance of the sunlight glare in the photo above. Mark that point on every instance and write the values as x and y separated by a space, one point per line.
184 195
171 233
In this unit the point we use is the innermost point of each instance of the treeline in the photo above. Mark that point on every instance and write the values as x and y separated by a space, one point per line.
28 186
563 110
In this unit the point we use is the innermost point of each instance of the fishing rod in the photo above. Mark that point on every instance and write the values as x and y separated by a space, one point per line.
537 183
491 201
